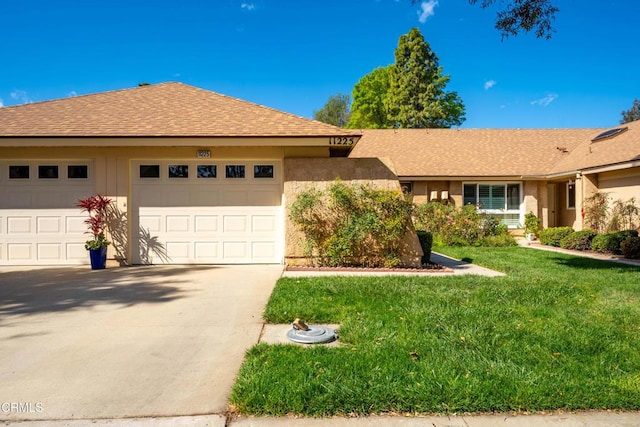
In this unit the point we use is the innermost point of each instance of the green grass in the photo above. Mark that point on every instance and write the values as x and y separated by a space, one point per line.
558 332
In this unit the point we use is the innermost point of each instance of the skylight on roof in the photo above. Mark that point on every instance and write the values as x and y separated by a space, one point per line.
609 134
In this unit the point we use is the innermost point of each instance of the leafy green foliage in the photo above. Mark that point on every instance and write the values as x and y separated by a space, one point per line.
578 240
461 226
596 209
368 109
531 223
352 224
610 242
632 113
559 332
426 242
335 112
630 247
417 97
553 235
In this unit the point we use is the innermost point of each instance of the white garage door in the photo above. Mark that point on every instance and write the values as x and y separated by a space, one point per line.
39 223
194 212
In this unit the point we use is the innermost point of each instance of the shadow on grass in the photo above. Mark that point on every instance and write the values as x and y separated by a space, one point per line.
592 264
47 290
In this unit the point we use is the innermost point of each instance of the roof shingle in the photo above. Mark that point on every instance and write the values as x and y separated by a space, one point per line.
167 109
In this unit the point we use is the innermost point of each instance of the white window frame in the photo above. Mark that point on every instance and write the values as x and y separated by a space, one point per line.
500 212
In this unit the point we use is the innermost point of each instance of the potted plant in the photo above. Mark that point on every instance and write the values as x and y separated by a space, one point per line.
531 226
96 206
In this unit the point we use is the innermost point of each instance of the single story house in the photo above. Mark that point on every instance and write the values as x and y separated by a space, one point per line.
199 177
509 172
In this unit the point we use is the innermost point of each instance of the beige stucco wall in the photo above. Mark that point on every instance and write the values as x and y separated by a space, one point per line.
624 184
302 174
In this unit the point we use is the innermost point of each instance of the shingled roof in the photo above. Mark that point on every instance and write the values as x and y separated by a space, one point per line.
167 109
621 148
472 152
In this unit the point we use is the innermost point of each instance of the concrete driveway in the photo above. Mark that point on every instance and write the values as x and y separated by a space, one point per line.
126 342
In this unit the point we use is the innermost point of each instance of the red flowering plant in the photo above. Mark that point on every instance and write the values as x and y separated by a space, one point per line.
96 206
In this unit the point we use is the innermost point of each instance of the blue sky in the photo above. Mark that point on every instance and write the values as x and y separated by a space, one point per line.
292 55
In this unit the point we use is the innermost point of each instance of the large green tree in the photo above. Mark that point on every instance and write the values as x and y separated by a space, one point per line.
632 113
336 111
367 109
417 96
514 16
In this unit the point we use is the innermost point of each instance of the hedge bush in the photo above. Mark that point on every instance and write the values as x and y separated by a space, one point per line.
463 226
609 243
578 240
352 224
426 242
552 236
630 247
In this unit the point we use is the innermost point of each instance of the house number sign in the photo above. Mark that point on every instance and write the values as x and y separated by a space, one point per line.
342 140
204 154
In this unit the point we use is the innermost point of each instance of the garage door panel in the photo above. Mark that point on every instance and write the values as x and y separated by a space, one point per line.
49 251
151 223
206 251
206 223
17 252
19 225
48 224
263 250
75 224
263 223
178 223
234 223
76 252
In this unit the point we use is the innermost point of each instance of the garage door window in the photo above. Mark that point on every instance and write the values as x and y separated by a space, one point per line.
77 172
207 171
18 172
48 172
149 171
263 171
234 171
178 171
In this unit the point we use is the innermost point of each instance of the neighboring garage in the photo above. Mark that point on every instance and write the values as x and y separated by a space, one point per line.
195 177
38 223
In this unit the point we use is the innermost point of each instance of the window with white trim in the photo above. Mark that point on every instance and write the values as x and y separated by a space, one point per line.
498 199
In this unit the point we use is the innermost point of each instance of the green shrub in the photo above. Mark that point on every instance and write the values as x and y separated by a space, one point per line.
502 240
552 236
609 243
578 240
352 224
630 247
463 226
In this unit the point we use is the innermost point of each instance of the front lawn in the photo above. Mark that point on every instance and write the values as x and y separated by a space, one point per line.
558 332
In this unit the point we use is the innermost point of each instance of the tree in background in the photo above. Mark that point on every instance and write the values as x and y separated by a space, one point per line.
521 15
335 112
632 113
368 110
416 96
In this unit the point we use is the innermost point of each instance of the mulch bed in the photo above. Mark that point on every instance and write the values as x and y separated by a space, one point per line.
426 268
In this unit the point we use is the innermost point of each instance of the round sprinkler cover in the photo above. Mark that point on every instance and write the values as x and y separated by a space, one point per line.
315 335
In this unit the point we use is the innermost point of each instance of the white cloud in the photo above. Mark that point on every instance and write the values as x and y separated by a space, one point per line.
1 103
543 102
20 96
248 6
489 84
426 10
72 94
